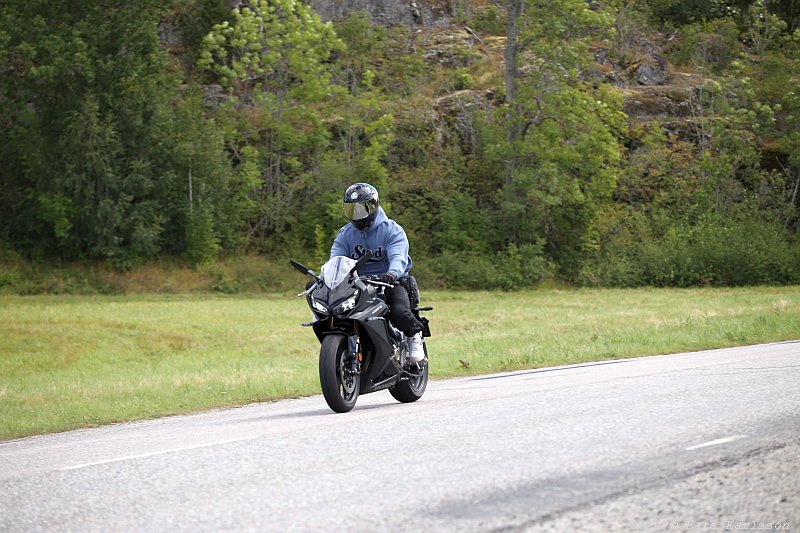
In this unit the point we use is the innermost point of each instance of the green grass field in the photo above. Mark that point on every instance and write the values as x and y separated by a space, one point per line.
75 361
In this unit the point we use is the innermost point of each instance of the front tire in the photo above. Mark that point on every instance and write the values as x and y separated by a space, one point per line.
413 388
338 386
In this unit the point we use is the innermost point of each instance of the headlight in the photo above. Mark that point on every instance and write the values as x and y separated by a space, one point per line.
319 307
348 304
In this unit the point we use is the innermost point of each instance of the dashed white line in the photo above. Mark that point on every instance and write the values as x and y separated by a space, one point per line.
716 442
160 452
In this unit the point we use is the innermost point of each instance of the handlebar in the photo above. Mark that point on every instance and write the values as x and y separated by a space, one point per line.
375 280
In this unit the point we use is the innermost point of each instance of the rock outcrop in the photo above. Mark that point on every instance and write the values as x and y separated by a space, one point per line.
386 12
653 71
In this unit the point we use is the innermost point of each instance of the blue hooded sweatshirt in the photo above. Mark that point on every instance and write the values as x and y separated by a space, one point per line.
386 240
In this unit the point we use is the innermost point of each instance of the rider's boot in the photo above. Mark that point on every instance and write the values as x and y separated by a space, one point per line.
416 351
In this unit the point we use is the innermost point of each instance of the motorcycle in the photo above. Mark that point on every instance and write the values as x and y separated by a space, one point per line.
361 351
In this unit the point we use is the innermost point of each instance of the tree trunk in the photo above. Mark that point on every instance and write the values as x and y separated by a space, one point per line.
511 53
191 198
514 9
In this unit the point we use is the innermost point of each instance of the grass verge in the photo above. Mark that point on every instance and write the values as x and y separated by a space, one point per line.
76 361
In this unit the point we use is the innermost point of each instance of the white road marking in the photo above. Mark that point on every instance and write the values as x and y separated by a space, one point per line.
160 452
716 442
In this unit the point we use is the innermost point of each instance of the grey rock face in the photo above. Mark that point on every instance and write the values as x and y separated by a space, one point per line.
385 12
653 72
214 96
169 35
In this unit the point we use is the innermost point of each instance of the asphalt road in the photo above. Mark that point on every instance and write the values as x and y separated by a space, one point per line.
703 441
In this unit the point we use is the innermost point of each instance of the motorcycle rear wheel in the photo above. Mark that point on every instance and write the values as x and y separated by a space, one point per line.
339 388
412 389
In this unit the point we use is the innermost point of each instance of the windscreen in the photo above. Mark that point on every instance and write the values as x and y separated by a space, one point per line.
336 270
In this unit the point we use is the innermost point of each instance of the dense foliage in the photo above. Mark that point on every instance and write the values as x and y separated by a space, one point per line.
131 130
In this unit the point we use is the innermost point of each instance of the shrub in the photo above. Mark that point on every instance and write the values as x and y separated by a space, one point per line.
254 274
490 20
717 251
615 267
681 12
727 251
9 279
510 269
713 44
202 245
462 79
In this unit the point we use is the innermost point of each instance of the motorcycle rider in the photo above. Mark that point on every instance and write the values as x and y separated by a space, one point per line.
371 230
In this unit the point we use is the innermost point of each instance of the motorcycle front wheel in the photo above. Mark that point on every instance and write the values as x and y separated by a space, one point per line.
339 387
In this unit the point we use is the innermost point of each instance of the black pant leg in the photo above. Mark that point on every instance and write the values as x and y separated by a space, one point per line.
400 311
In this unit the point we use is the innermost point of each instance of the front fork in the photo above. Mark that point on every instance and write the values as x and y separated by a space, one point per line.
354 355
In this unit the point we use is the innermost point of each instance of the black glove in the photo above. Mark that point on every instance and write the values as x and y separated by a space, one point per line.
389 277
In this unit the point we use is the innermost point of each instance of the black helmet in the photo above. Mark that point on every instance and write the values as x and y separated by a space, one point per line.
361 204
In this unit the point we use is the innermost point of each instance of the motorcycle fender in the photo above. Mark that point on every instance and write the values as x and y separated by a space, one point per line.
322 328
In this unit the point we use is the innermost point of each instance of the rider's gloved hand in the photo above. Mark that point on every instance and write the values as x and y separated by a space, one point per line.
389 277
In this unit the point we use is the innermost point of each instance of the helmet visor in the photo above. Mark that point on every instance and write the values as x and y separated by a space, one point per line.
358 210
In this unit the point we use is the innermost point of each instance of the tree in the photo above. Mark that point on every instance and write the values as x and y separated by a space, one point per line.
681 12
363 132
210 202
99 147
85 92
788 10
195 19
360 126
274 58
560 149
773 80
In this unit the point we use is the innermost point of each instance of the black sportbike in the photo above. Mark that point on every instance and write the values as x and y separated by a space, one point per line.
361 350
